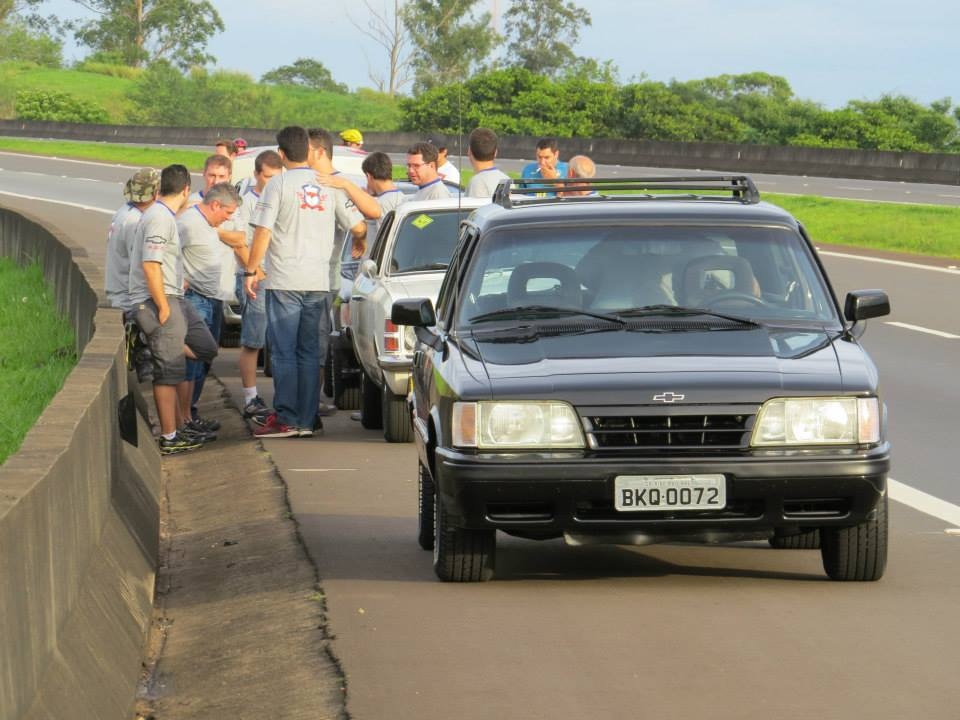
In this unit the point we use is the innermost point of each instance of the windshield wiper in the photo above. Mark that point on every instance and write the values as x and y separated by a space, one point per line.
542 310
422 268
648 310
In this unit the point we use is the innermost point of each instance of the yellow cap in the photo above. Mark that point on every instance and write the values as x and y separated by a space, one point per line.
352 135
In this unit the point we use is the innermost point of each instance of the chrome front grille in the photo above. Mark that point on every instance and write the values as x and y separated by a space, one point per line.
673 432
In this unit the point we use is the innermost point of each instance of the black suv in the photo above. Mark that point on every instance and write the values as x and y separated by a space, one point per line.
665 364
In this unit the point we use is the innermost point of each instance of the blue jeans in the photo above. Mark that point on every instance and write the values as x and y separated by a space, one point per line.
211 310
293 330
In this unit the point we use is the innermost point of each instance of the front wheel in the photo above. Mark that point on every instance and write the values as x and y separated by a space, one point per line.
803 540
461 555
425 500
857 553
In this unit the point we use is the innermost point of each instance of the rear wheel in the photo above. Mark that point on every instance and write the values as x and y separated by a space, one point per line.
425 499
803 540
345 395
461 555
857 553
370 408
397 423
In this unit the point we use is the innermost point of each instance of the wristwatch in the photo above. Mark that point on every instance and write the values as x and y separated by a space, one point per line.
247 273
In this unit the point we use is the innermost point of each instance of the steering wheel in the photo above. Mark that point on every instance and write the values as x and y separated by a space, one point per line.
733 295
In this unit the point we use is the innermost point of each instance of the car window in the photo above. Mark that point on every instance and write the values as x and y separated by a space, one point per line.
425 240
380 242
760 272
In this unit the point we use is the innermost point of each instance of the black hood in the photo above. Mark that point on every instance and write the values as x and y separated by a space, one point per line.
630 366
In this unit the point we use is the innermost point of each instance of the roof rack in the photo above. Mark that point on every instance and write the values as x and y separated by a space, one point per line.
530 191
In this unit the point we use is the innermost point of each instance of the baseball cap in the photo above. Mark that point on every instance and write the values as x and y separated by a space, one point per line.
143 186
240 143
351 135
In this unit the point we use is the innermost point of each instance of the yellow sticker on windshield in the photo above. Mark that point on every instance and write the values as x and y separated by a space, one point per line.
421 222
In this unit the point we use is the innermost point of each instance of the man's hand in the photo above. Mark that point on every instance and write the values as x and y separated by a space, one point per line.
334 181
163 314
549 171
250 285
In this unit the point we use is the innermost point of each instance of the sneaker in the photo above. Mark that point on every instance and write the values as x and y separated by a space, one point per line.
356 416
256 410
326 409
304 432
273 427
192 430
317 424
205 424
180 443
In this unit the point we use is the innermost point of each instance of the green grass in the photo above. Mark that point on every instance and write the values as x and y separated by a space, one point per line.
107 152
918 229
105 90
36 351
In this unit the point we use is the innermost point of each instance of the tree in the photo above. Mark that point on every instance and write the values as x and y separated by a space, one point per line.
305 72
388 32
144 31
541 34
449 41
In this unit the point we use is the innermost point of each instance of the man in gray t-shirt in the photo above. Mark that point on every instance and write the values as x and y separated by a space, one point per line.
422 166
140 192
482 152
295 223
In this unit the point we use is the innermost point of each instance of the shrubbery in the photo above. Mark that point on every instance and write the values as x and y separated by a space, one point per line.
18 42
57 107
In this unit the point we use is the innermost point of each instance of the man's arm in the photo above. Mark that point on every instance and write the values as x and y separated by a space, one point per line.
359 232
258 250
153 272
233 238
365 202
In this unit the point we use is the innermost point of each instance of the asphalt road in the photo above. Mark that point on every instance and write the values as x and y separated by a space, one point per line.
739 631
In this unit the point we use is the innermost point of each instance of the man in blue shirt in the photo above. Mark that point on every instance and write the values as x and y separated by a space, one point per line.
548 165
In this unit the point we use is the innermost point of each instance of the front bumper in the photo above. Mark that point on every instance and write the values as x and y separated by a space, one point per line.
553 494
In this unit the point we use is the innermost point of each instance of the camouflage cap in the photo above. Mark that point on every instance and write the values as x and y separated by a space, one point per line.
143 186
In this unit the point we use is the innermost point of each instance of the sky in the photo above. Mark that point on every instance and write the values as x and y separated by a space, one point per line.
830 51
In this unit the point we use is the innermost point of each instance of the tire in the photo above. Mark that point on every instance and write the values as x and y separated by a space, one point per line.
857 553
230 337
461 555
370 404
425 499
345 396
397 423
804 540
328 374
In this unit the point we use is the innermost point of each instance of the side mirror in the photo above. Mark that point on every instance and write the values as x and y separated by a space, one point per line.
417 312
367 268
866 304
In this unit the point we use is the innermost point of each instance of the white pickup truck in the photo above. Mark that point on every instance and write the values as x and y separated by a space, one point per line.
408 259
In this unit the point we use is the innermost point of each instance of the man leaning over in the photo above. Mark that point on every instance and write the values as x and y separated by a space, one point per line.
171 324
295 224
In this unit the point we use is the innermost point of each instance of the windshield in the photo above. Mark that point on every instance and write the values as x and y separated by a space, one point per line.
760 273
426 240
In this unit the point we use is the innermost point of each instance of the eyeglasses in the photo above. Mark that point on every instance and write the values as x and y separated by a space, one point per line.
416 165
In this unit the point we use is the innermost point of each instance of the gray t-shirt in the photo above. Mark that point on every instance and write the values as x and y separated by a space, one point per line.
123 226
242 218
483 183
204 256
302 216
156 240
435 190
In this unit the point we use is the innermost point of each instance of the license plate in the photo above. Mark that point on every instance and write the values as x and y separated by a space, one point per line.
637 493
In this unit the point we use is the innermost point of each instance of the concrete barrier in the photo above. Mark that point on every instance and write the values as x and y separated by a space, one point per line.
741 158
79 517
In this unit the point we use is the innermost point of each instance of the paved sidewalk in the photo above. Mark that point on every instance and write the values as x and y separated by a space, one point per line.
239 628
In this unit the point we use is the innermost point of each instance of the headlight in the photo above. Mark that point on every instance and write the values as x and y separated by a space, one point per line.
818 421
490 425
409 338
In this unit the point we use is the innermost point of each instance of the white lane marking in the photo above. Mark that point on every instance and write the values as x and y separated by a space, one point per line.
69 160
58 202
901 263
322 470
924 502
944 195
917 328
858 189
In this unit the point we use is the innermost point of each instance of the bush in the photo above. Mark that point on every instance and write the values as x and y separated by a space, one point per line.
20 43
57 107
110 69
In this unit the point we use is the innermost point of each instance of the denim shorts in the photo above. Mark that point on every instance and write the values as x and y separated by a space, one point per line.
166 341
253 329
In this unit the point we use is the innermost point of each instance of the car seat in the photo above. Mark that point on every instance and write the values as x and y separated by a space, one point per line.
699 284
565 293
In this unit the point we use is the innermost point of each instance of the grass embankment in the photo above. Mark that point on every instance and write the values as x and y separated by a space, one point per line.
105 90
36 351
132 155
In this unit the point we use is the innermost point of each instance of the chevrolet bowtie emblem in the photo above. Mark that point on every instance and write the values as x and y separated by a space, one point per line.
668 397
